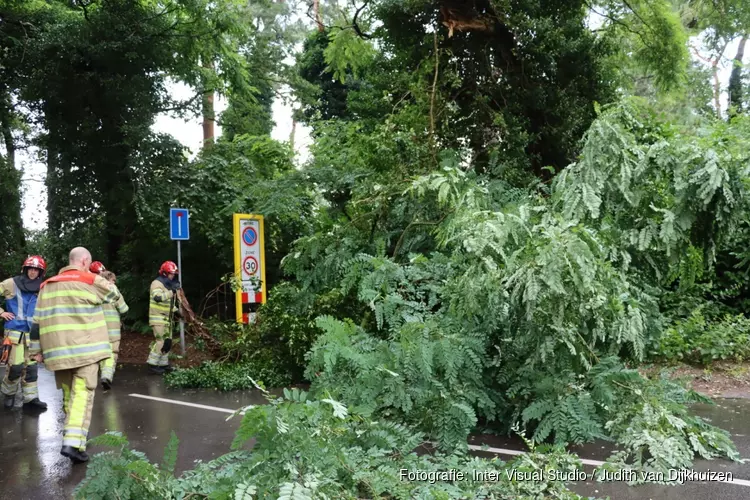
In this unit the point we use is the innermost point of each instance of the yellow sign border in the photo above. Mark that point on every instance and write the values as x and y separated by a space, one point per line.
236 218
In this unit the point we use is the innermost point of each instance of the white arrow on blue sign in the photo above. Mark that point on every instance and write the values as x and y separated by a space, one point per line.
179 229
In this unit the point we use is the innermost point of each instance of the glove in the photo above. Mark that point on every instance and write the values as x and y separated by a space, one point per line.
34 333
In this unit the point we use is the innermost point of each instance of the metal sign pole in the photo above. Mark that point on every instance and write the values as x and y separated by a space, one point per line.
179 274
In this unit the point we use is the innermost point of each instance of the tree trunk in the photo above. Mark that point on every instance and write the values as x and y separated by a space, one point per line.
209 116
12 239
5 122
294 128
54 218
318 18
735 81
714 62
115 182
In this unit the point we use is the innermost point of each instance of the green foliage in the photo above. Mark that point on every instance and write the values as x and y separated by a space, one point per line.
720 20
322 96
227 376
95 76
484 90
286 325
426 376
701 341
646 418
272 349
12 243
653 31
125 473
438 277
518 292
251 174
654 195
657 432
310 448
347 51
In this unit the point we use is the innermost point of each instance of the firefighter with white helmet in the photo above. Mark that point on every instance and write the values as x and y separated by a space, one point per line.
20 295
164 306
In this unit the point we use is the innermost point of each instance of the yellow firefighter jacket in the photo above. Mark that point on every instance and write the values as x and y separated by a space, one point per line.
112 314
161 310
72 328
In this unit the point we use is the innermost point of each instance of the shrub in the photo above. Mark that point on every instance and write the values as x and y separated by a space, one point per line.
700 341
226 376
272 349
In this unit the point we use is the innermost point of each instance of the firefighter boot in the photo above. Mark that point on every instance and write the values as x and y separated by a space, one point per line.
35 405
9 401
77 456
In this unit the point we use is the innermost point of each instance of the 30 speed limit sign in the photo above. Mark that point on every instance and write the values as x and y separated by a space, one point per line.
250 265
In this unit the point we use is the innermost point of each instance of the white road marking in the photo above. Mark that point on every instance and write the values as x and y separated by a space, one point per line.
185 403
504 451
497 451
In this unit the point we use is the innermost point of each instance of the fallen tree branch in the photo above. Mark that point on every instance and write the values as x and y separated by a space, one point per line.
196 326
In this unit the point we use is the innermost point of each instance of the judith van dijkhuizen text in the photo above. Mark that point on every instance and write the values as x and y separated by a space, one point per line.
602 475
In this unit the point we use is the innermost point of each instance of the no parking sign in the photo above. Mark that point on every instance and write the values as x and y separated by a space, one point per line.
249 236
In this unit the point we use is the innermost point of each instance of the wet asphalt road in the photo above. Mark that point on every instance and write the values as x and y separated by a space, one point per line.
31 466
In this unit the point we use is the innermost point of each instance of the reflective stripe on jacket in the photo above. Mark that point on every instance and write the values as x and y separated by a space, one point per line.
160 304
8 292
112 314
20 304
72 327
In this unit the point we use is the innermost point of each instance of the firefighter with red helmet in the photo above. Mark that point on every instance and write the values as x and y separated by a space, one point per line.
164 307
97 267
112 313
20 294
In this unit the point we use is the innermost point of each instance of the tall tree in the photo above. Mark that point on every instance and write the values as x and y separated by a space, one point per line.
719 23
737 92
21 23
517 82
97 79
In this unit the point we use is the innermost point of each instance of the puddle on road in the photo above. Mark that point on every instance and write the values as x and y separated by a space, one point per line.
729 414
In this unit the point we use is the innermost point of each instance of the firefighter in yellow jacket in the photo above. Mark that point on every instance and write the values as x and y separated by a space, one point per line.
72 331
112 314
20 294
164 306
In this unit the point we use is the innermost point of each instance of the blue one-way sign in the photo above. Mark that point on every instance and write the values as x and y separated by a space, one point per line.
179 229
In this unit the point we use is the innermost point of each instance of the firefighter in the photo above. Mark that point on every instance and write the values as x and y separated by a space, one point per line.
163 307
112 314
97 267
70 323
20 294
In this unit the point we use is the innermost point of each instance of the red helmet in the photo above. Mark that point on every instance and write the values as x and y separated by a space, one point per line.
96 267
167 268
35 261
